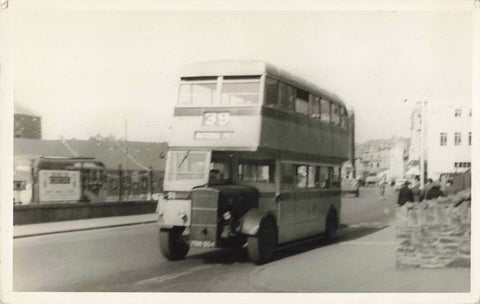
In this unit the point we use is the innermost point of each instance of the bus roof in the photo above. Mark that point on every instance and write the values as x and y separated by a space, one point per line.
253 68
58 162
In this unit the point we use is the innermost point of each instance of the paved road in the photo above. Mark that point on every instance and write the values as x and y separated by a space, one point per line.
128 258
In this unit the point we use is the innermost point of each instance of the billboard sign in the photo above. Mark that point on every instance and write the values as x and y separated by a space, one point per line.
59 185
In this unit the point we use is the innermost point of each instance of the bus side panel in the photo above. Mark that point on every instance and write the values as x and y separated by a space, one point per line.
303 214
298 134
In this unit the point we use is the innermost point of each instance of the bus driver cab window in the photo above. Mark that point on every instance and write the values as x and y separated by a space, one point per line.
220 172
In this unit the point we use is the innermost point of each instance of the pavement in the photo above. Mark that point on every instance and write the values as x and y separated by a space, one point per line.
363 264
84 224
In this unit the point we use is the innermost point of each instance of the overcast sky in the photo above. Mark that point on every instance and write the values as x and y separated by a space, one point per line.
88 71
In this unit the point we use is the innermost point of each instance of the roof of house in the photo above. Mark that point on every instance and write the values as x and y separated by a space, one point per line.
111 152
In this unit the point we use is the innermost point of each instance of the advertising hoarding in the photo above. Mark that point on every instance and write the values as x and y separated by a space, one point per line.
59 185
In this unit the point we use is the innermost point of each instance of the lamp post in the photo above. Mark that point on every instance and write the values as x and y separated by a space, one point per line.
423 115
422 144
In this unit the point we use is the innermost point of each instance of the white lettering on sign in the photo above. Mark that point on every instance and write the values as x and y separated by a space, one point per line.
216 118
59 185
213 135
203 244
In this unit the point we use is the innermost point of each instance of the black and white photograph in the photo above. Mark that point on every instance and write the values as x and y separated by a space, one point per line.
208 151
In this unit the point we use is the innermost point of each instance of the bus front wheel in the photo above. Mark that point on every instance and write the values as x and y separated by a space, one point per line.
261 246
172 244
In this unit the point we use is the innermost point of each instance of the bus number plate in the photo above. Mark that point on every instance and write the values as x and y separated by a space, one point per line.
216 118
204 244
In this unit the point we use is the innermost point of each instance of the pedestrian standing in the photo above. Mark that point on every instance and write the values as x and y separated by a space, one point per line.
434 192
448 189
427 187
405 194
417 192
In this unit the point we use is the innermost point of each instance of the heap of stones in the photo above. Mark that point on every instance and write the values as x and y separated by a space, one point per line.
434 233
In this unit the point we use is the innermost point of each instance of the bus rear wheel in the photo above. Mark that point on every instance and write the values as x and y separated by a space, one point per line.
172 244
261 246
331 227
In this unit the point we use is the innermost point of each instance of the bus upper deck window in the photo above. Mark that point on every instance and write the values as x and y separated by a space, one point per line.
335 115
301 102
271 91
325 111
286 96
197 93
240 93
344 119
315 107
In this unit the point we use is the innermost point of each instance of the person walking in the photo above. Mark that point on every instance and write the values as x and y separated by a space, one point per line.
381 184
405 194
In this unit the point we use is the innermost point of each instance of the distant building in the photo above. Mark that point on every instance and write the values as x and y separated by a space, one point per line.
448 140
383 157
26 124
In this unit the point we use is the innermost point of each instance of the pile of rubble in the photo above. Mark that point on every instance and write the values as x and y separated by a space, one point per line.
434 233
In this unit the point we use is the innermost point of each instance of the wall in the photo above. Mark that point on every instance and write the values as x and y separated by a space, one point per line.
31 214
435 233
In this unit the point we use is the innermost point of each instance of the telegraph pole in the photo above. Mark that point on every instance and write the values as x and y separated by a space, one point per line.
422 143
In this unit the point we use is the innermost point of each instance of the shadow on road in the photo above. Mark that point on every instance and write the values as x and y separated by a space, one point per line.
224 256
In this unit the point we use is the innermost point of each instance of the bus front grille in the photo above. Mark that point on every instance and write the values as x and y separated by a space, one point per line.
204 214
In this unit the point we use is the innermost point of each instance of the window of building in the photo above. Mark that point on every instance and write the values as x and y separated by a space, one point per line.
286 96
301 102
271 92
458 138
458 112
325 111
469 138
443 139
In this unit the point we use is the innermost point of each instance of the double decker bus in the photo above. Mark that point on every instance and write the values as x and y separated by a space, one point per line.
254 160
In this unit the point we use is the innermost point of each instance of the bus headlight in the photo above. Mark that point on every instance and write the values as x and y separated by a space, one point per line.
227 215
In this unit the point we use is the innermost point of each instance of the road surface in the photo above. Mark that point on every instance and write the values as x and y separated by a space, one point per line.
128 258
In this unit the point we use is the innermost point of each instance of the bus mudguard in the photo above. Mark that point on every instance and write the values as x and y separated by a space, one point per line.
250 222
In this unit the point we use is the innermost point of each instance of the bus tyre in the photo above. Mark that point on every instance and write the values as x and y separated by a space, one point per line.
331 227
357 193
172 244
261 246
